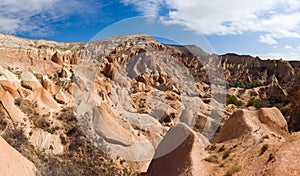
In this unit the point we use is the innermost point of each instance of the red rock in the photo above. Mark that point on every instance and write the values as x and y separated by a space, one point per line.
244 123
57 58
179 153
12 163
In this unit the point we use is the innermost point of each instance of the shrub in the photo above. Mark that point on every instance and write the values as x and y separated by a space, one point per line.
263 149
207 101
226 154
15 138
222 148
212 159
271 157
253 102
275 99
233 169
234 100
42 123
18 101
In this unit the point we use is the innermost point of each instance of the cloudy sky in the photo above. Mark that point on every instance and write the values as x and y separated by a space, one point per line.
265 28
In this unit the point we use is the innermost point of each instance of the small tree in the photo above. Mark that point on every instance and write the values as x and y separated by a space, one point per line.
234 100
253 102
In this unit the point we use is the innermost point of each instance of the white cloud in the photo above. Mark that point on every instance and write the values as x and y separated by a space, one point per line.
35 17
277 19
288 47
267 39
146 7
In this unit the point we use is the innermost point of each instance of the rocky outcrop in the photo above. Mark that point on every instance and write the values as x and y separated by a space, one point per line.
294 120
29 81
61 97
8 103
43 99
47 142
48 85
9 82
274 89
245 68
245 123
12 163
57 58
179 153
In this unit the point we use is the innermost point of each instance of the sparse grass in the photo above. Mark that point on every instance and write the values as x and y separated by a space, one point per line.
271 157
206 101
18 101
80 157
263 149
222 163
212 159
226 154
211 147
233 169
15 137
222 148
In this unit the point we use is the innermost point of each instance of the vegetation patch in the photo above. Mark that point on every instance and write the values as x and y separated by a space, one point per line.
234 100
233 169
80 157
253 102
226 153
263 149
212 159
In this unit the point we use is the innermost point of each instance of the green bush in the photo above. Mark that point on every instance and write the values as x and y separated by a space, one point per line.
275 99
234 100
253 102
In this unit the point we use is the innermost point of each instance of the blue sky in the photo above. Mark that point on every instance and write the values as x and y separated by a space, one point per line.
265 28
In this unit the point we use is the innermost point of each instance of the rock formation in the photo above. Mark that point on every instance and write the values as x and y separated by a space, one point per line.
245 123
114 106
294 121
179 153
13 163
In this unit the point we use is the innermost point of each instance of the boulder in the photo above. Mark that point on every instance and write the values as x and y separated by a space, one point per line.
245 123
12 163
181 152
